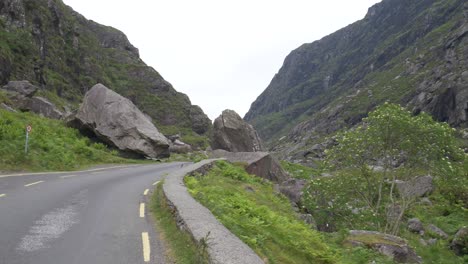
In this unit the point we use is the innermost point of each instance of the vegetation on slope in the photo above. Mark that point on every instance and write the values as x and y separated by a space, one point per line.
52 146
179 245
263 219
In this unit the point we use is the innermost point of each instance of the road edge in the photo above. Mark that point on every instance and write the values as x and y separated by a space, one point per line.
222 245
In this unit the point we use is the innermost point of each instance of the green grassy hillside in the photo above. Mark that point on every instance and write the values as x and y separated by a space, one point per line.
52 146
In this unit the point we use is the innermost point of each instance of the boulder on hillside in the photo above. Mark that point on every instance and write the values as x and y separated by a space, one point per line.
417 187
40 106
177 146
21 88
459 243
415 225
117 121
232 133
262 164
392 246
292 189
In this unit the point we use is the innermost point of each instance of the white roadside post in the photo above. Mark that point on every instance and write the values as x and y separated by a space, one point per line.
28 130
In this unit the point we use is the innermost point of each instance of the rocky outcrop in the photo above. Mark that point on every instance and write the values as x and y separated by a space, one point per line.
459 243
21 93
262 164
392 246
405 52
417 187
63 53
117 121
292 189
232 133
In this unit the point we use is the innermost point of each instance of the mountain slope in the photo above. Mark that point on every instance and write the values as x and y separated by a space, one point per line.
49 44
410 52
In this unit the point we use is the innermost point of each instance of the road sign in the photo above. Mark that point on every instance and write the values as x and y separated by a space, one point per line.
29 128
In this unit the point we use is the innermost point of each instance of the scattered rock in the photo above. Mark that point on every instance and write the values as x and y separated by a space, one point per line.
415 225
426 201
292 189
23 88
309 219
178 146
432 241
8 108
117 121
417 187
40 106
459 243
434 229
232 133
392 246
262 164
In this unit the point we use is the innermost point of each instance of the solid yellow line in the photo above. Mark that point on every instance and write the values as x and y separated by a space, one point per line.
142 210
146 246
146 192
34 183
68 176
156 182
2 195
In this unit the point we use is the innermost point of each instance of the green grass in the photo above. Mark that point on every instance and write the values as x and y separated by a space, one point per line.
250 208
180 247
299 171
52 145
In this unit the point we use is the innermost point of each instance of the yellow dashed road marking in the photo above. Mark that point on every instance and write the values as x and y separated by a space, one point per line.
2 195
146 192
156 182
33 183
146 246
142 210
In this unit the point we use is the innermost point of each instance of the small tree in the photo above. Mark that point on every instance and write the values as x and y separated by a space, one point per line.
402 146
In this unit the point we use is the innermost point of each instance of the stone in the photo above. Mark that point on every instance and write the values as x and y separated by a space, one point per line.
22 88
8 108
232 133
309 219
40 106
117 121
439 232
416 187
459 243
292 189
391 246
180 147
432 241
415 225
200 122
262 164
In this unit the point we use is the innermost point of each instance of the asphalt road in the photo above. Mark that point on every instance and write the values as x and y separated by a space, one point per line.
91 217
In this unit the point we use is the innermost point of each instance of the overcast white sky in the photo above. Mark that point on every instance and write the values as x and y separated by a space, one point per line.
221 53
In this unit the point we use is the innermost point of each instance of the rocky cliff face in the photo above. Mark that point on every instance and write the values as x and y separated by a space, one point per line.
57 49
410 52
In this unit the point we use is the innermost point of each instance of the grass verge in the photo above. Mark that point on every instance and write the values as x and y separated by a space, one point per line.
52 145
180 247
254 212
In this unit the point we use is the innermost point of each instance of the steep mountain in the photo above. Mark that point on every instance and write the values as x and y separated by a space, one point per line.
411 52
54 47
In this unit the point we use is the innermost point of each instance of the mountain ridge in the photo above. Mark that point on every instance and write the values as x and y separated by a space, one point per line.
408 52
58 49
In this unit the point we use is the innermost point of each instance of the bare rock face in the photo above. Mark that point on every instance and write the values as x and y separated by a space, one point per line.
232 133
392 246
117 121
261 164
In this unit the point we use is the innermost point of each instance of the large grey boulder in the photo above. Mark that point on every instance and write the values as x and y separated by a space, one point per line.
417 187
232 133
262 164
117 121
392 246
